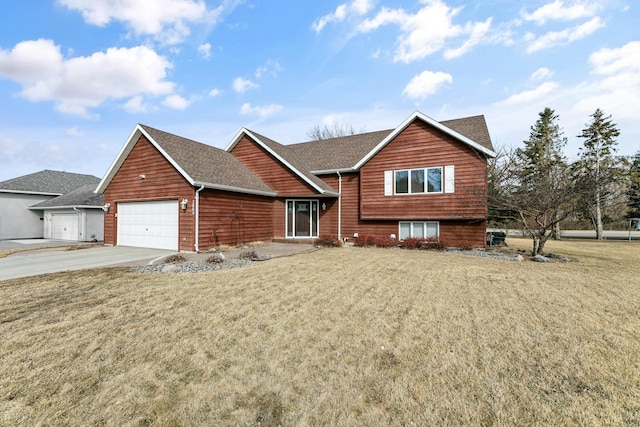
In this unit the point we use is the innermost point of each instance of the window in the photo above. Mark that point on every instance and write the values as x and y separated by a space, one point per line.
419 229
413 181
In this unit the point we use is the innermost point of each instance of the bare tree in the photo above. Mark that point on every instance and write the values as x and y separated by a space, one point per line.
318 132
533 185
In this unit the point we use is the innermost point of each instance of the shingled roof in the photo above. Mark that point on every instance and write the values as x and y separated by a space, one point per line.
200 164
82 197
48 182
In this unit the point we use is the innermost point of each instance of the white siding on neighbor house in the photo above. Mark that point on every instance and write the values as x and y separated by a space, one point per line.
82 225
16 220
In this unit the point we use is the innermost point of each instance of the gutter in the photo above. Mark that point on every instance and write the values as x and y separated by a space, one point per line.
198 218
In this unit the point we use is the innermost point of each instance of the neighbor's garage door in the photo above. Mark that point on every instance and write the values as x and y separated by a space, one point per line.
64 226
148 224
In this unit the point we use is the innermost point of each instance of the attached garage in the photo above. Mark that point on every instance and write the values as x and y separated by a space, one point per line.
148 224
64 226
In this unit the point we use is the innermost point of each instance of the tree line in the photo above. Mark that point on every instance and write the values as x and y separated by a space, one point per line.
537 187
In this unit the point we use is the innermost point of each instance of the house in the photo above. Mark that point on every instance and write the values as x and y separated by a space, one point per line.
422 179
51 204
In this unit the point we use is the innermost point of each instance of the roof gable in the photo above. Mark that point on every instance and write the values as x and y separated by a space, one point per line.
461 123
199 164
47 182
287 157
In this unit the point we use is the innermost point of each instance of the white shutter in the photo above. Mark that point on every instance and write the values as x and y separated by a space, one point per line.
388 183
449 179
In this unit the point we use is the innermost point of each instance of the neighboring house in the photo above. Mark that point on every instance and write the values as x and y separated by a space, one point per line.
51 204
422 179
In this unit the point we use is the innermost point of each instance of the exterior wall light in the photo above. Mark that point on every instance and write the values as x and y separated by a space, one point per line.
106 207
142 176
183 204
324 206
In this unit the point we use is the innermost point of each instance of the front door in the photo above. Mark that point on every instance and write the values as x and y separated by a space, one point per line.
302 218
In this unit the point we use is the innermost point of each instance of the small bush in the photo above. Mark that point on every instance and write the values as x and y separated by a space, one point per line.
433 244
215 259
364 241
412 243
327 242
175 259
248 255
385 242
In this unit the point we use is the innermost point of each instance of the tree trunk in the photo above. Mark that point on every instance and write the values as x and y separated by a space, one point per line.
598 219
541 243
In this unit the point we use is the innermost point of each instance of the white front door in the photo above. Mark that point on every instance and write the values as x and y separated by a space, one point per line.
64 226
148 224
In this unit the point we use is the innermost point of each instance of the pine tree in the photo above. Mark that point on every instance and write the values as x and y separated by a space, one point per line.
633 192
597 166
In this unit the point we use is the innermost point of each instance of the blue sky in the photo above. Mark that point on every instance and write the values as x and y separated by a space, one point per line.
77 75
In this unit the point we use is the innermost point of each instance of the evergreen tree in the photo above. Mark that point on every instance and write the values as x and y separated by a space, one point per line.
597 167
533 183
633 192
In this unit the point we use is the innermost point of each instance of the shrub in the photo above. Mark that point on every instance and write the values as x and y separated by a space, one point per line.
364 241
248 255
433 244
327 242
175 259
385 242
412 243
215 259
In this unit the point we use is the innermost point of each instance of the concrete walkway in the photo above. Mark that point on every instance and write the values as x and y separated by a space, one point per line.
31 263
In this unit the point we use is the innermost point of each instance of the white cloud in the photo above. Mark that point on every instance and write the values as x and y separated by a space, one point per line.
428 30
541 73
272 68
215 92
74 132
558 10
176 102
342 12
261 111
241 85
616 87
569 35
167 20
80 83
477 32
532 95
205 50
426 83
136 105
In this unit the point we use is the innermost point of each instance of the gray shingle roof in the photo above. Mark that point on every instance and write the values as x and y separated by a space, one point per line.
474 128
82 196
338 153
48 182
294 159
207 164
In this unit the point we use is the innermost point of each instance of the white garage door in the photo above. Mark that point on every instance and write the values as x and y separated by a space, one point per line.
64 226
148 224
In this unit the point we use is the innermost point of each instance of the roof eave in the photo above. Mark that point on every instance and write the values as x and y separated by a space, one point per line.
235 189
34 193
42 208
330 171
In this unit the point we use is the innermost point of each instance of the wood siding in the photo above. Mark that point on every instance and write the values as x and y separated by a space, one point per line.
273 173
422 146
232 218
161 182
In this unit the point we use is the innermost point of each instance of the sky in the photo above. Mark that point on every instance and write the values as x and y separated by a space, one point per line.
76 76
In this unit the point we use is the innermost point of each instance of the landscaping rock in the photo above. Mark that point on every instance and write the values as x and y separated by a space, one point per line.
518 258
541 258
171 268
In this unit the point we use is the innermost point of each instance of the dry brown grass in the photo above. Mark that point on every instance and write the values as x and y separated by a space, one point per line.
344 336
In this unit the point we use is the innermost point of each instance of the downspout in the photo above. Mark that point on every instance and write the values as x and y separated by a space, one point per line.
198 218
339 205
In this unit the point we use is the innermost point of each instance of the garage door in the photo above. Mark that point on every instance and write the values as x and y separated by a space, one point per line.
148 224
64 226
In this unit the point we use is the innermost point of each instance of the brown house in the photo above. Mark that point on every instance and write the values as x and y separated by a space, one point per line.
422 179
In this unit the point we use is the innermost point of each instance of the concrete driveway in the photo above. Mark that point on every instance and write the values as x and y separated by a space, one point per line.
31 263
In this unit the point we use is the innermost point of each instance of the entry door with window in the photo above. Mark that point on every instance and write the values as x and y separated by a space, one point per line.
302 218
